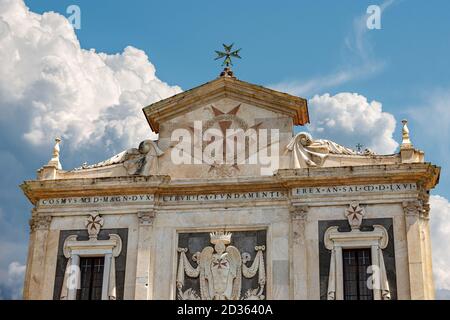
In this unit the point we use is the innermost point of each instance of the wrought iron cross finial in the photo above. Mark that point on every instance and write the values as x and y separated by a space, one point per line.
359 147
227 54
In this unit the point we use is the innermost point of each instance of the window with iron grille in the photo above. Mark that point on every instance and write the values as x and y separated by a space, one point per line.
355 264
91 278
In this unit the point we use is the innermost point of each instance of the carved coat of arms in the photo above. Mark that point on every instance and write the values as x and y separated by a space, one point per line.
220 271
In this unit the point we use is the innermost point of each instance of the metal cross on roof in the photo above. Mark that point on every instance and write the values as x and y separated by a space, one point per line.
359 147
227 54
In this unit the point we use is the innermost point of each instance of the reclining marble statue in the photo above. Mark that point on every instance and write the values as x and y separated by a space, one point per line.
309 152
136 161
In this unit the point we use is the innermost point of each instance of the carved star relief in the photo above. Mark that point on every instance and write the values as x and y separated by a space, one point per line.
354 214
225 120
220 263
93 224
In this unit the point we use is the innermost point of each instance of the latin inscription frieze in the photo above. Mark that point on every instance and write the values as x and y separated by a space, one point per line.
231 196
246 196
97 200
371 188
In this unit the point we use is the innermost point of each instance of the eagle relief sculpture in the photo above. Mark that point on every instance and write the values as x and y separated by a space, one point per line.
220 270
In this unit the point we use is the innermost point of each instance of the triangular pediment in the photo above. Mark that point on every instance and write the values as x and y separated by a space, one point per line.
227 87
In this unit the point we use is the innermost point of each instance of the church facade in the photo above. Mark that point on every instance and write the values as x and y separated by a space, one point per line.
230 204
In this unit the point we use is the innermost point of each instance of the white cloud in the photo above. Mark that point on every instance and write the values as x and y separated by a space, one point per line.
52 86
333 79
359 62
358 42
442 294
16 271
11 287
348 118
432 117
440 238
11 273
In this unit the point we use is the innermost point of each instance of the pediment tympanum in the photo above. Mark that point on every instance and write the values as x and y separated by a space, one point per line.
227 87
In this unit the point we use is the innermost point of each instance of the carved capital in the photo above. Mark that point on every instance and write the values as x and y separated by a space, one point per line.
146 217
425 214
424 198
299 212
39 222
413 208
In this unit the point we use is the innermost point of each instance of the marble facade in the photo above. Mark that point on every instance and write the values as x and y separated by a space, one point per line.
158 202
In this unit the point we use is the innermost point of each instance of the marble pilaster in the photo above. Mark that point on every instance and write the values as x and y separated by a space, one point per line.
299 261
39 229
143 290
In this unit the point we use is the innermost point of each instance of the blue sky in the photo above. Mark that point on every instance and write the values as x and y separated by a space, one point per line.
305 47
287 41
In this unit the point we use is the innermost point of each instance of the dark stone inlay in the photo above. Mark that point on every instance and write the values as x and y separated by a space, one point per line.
245 241
82 236
367 225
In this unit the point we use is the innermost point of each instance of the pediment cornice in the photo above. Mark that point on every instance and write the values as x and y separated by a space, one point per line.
224 87
425 175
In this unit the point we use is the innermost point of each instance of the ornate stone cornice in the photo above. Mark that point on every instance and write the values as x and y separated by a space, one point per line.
106 186
334 237
423 173
40 222
227 87
146 217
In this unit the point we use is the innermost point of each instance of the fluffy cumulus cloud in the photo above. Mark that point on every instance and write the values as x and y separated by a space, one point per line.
54 87
349 118
50 86
440 236
12 282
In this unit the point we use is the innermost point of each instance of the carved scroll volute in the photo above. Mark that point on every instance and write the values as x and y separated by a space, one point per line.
328 242
384 240
66 248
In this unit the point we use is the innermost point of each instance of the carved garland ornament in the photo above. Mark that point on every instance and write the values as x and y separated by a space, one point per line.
220 270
